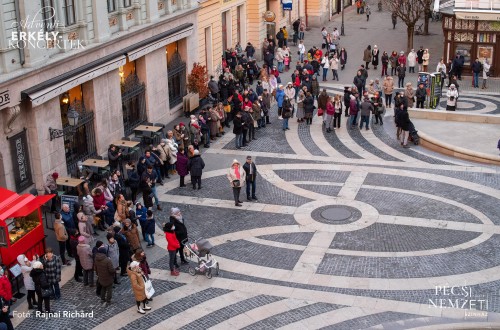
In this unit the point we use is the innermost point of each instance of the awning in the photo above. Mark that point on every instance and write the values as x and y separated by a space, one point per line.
478 15
13 205
139 52
76 77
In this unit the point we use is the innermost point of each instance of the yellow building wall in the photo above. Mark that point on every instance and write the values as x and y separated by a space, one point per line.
210 16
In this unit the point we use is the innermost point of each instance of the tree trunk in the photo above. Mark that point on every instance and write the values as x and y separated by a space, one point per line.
427 15
410 30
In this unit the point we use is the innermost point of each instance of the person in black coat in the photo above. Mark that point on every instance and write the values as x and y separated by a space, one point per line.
114 157
195 167
347 100
123 250
5 318
251 177
404 124
41 282
309 108
180 231
238 130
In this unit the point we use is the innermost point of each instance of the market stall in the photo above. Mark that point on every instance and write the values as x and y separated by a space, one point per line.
21 228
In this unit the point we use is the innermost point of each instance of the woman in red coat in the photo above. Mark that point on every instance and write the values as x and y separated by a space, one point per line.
182 166
172 246
5 287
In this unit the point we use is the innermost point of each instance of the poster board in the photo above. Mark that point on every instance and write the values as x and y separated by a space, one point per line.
70 200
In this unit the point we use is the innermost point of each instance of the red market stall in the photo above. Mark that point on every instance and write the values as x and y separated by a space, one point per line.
21 227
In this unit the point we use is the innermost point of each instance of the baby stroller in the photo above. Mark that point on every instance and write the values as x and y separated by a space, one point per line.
413 135
200 249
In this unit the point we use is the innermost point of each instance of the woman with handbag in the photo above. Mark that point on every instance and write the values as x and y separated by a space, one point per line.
42 286
452 96
236 178
138 286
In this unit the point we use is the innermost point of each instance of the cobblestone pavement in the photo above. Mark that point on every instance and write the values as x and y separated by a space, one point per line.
350 231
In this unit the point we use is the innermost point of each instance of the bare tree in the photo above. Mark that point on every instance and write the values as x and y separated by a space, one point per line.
427 14
409 11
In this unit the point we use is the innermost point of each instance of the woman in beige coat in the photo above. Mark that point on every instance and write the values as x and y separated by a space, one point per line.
410 95
138 286
388 90
236 176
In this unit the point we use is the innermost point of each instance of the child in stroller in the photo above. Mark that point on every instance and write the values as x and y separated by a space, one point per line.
200 249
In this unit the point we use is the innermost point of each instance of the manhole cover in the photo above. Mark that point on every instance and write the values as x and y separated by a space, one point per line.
336 214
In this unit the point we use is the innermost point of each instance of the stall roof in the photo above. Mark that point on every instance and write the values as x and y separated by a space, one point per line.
14 205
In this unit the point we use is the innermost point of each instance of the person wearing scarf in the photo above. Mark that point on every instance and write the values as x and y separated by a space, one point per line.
236 180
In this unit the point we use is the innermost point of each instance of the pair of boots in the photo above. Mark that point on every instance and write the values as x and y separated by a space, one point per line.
174 272
142 309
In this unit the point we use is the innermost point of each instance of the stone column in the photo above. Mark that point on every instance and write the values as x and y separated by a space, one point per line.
100 20
152 14
152 70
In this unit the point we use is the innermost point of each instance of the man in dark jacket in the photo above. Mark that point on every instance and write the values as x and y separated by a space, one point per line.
251 177
250 50
114 157
280 36
195 167
477 68
420 95
213 87
106 272
148 186
347 100
69 223
366 110
180 231
123 249
238 130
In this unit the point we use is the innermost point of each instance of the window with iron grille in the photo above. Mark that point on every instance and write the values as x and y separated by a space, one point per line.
127 3
111 6
69 11
49 15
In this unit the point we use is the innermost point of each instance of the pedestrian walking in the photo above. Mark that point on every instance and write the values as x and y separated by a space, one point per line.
137 281
343 58
394 18
29 285
52 267
181 233
236 179
41 283
195 167
172 246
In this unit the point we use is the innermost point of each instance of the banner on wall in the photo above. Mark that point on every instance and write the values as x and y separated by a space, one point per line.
287 4
20 160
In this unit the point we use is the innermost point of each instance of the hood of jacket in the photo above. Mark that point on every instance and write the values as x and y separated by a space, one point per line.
100 256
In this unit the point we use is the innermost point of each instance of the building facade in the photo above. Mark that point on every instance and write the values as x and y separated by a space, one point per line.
471 28
117 63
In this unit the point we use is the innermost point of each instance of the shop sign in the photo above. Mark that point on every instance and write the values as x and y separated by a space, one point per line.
70 200
20 160
478 16
4 98
269 16
287 4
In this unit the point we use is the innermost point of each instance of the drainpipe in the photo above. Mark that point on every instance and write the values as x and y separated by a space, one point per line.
18 21
305 12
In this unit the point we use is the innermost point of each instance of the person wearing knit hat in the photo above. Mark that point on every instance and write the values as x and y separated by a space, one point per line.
132 234
236 177
135 274
195 167
86 258
26 267
40 280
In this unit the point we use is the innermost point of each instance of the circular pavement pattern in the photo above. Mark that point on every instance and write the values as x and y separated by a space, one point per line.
336 215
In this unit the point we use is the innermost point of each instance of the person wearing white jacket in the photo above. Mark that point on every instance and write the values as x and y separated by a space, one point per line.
28 281
411 60
451 96
334 66
326 65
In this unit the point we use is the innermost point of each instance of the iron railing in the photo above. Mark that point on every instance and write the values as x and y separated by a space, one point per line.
176 80
133 103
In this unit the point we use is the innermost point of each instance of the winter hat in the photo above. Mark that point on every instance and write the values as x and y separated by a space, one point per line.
55 175
182 125
174 210
37 265
127 221
88 199
134 264
81 239
235 161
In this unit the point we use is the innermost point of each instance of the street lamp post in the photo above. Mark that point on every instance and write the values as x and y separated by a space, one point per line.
342 26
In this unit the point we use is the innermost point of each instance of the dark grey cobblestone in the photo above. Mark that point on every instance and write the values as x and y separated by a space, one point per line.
479 257
258 254
156 316
293 315
398 238
272 160
269 139
290 238
304 132
218 187
358 137
211 221
486 204
487 291
370 320
76 297
401 204
231 311
316 214
335 142
331 191
380 132
313 175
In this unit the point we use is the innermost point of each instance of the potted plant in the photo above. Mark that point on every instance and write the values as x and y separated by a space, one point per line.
197 82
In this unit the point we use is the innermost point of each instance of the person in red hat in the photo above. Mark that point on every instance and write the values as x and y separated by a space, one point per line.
50 187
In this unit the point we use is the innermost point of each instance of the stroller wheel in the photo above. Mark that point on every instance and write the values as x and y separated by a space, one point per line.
208 273
192 271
